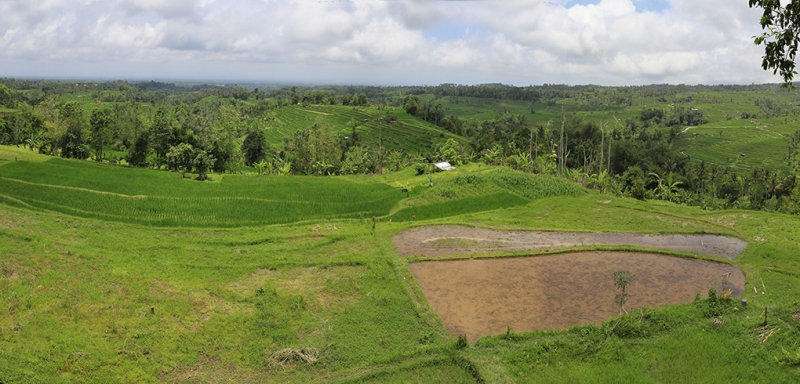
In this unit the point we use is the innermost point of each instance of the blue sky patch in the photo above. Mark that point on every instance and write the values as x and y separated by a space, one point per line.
445 32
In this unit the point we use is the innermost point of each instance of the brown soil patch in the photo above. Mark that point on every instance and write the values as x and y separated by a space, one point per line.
446 240
480 297
797 315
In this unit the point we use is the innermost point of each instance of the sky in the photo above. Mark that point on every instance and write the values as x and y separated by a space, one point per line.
385 42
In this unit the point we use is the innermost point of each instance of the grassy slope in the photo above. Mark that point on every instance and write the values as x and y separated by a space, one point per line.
143 196
77 292
161 198
409 134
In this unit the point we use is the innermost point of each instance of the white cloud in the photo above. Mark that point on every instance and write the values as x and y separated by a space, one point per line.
164 9
512 41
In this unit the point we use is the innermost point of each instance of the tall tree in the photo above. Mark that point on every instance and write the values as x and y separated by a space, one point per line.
226 136
73 121
101 123
319 147
130 122
360 99
180 158
162 133
137 156
6 96
254 147
782 25
203 162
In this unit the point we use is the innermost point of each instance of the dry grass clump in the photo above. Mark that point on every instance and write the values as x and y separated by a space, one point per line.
284 357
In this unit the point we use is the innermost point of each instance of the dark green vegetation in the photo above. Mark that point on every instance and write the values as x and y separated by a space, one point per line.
710 146
328 299
781 22
274 269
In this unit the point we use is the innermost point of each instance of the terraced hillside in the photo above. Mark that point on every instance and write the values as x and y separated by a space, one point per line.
476 188
114 193
716 106
406 134
741 144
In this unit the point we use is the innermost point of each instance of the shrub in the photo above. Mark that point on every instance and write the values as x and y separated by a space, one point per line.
421 168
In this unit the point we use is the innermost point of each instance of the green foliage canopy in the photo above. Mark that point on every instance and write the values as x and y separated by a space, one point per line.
780 40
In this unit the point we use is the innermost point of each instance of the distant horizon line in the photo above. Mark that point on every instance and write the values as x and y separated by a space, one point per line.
209 81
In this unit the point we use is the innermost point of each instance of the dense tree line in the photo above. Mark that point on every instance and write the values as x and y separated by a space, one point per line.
204 128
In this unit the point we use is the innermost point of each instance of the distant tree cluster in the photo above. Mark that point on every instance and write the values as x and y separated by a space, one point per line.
200 129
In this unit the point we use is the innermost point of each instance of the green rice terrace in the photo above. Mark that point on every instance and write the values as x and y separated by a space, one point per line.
117 274
405 133
737 133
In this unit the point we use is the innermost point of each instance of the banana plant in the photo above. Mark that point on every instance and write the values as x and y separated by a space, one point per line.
261 167
666 187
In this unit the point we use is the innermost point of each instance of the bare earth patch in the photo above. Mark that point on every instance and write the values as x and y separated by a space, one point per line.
447 240
479 297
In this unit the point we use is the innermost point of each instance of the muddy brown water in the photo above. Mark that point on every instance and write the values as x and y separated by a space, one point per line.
479 297
446 240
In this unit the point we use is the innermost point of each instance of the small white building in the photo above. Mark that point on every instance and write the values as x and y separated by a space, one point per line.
444 166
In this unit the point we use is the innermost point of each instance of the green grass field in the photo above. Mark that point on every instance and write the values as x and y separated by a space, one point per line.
90 298
121 194
160 198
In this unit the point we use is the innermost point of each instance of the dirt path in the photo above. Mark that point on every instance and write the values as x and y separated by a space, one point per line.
480 297
446 240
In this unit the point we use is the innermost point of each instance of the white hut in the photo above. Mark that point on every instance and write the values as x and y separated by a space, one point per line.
444 166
